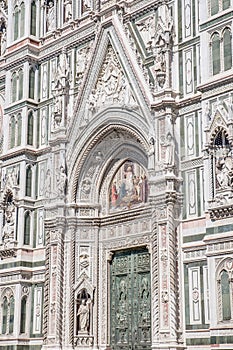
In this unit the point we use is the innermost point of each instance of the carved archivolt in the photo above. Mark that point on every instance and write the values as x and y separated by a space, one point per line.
98 149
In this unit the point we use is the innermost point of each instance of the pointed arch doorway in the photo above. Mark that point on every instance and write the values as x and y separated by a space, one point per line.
130 300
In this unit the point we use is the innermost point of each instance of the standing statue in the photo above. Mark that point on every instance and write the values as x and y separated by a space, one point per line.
83 316
3 41
170 149
224 169
68 10
51 24
151 159
86 5
8 228
62 75
61 181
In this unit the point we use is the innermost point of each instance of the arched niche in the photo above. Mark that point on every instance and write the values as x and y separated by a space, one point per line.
106 157
83 310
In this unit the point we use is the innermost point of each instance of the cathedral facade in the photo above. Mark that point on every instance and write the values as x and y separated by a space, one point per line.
116 174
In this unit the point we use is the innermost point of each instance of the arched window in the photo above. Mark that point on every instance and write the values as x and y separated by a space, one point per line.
8 309
23 315
226 4
29 181
12 309
30 129
33 18
214 7
16 23
22 19
216 53
19 21
12 132
27 223
19 129
226 301
4 314
219 5
227 49
20 90
31 83
14 87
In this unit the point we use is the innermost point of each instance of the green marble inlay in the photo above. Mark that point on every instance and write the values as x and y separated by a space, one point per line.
22 263
219 229
216 20
198 341
189 326
222 340
180 20
193 238
209 231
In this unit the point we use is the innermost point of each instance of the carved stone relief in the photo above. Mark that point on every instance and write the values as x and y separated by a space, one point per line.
50 16
10 178
3 25
68 10
82 59
112 86
8 230
60 87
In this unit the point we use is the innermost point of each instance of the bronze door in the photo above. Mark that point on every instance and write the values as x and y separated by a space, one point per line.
131 300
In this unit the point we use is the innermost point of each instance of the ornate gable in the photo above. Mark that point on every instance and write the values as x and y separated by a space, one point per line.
110 82
111 88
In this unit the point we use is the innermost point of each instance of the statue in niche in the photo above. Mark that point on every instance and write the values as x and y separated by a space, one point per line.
8 228
62 74
84 316
11 178
170 149
151 161
68 10
224 169
3 41
51 24
82 58
47 187
61 82
58 99
61 181
86 5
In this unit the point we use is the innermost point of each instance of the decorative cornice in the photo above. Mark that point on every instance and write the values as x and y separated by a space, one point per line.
221 212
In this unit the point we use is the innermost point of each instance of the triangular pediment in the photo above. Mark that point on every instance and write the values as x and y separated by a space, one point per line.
110 82
112 86
83 282
218 119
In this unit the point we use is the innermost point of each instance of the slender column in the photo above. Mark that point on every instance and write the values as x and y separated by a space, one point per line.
54 285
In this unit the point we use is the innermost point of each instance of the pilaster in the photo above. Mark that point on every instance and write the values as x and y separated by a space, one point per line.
53 299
